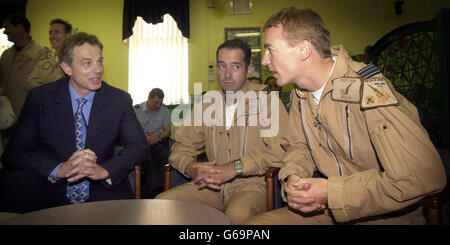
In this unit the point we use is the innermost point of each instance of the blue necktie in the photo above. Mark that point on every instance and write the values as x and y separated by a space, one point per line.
78 193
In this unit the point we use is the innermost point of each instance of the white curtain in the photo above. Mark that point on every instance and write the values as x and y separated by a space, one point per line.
158 58
4 43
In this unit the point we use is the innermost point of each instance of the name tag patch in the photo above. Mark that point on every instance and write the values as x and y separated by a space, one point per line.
347 89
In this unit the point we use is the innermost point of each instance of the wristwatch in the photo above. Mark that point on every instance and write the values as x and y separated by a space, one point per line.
238 167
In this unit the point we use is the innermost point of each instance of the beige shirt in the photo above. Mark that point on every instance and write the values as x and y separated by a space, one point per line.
45 71
15 67
377 160
239 142
6 119
6 113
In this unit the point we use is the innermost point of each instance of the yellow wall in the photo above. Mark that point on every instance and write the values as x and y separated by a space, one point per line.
100 17
355 24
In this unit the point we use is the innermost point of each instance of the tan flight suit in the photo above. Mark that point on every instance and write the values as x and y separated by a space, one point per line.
379 161
45 71
15 67
245 195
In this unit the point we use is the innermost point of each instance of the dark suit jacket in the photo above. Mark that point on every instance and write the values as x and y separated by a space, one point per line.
45 132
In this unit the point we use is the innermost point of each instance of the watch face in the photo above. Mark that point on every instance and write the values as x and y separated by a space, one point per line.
238 166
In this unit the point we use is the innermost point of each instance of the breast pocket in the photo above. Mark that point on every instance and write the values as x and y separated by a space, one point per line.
25 63
152 125
348 132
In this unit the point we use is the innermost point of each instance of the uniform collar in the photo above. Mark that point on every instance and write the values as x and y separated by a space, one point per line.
143 106
249 86
26 46
341 68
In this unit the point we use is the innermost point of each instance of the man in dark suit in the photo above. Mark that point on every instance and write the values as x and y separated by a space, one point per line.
48 158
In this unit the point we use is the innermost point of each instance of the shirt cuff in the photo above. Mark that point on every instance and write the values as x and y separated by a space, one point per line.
336 199
109 181
52 177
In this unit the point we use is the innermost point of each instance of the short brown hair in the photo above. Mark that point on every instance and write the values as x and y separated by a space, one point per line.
67 25
66 50
156 92
302 24
237 43
16 19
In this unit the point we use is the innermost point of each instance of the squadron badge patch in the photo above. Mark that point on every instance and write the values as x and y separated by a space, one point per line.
376 93
347 89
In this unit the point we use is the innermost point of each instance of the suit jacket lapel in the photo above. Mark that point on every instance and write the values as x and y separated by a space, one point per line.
64 113
99 112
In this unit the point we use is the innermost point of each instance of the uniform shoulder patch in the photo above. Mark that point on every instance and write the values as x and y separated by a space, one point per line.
377 92
267 89
368 71
49 52
347 89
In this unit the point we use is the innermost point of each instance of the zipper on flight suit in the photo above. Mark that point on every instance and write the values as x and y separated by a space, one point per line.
329 147
229 149
229 159
244 147
304 131
213 141
303 127
347 117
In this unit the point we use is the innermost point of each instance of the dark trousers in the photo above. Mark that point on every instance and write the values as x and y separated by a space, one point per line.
154 167
25 191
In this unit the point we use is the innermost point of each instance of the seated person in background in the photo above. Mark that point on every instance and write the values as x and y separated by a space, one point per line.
238 151
272 82
256 80
154 118
62 150
49 70
348 123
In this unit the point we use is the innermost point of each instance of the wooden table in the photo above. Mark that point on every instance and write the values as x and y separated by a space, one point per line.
4 215
124 212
